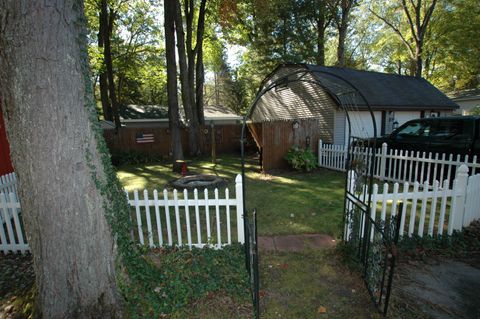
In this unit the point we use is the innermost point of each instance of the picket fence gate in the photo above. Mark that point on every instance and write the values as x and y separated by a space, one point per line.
425 210
167 221
399 165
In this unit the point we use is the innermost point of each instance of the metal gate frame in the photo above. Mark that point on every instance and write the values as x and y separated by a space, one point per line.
373 246
251 260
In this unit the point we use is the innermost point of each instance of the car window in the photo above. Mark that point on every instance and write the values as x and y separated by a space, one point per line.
447 129
414 129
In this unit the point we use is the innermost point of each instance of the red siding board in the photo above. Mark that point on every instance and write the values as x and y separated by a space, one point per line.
5 161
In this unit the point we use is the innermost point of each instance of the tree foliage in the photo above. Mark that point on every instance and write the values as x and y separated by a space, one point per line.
331 32
138 56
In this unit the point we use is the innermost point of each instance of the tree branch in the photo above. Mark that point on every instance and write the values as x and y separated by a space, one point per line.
410 20
428 15
397 31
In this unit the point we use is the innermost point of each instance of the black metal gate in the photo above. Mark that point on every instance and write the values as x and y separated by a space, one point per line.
251 258
373 242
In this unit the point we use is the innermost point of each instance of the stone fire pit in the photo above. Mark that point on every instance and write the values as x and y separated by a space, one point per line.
199 182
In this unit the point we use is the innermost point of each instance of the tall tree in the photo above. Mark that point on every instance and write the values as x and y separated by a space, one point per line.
452 45
322 20
107 15
173 115
66 182
341 10
103 80
190 56
418 15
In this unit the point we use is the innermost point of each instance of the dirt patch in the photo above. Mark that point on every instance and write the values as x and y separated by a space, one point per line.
17 281
441 287
295 243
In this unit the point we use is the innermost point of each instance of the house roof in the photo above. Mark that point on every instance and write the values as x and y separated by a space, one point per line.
465 95
143 112
381 90
160 112
219 112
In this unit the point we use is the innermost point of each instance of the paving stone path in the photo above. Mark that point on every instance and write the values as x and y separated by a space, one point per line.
295 243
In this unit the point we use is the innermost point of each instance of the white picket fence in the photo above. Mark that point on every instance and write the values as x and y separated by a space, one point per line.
399 165
196 221
8 183
174 219
12 233
426 210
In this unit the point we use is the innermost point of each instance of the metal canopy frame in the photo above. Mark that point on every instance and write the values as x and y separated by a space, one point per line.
287 79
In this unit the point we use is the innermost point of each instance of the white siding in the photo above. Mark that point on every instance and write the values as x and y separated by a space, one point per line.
404 116
362 125
466 106
339 127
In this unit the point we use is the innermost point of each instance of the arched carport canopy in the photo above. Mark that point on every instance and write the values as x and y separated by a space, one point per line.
338 88
277 99
348 87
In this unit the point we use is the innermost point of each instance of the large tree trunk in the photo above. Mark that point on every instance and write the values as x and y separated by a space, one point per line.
107 56
107 111
186 80
200 72
174 121
191 68
342 33
419 60
342 28
320 59
48 108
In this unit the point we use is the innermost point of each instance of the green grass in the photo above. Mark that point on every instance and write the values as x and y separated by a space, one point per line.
173 281
296 285
287 202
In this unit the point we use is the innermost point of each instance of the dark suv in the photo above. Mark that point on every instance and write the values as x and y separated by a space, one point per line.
456 135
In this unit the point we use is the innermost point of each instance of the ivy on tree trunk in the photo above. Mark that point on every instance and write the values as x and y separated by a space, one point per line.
74 211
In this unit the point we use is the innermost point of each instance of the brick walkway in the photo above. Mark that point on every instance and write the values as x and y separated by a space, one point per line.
292 243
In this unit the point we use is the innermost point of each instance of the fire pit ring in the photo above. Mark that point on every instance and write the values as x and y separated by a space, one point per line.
199 182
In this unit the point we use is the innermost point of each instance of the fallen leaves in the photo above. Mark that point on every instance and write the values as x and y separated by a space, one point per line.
322 309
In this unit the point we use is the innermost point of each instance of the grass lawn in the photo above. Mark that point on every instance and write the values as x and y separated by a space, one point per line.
287 202
312 284
197 283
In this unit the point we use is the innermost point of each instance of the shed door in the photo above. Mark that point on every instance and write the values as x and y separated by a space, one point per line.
362 125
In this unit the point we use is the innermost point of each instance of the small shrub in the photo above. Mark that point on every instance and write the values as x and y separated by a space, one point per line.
132 157
301 159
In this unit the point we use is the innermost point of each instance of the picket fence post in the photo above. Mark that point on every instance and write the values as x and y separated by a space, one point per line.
320 145
349 205
239 200
460 194
383 161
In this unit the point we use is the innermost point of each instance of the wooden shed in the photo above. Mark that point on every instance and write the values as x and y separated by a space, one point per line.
310 102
